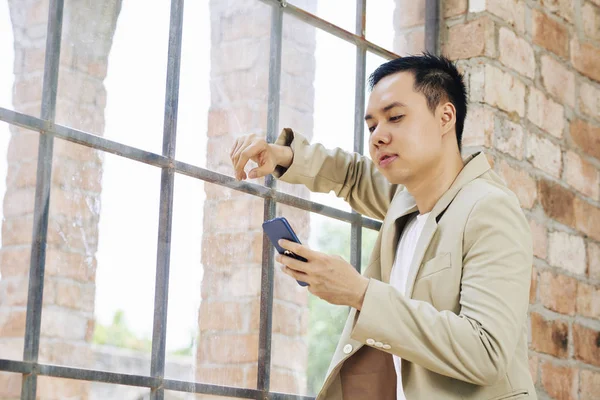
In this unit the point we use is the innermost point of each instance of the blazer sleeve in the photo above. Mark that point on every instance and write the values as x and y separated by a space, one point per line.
477 345
350 176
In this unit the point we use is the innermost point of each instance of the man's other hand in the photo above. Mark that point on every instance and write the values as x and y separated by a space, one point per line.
255 148
330 278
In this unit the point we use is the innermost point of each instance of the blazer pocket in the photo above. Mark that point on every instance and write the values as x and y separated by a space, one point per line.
514 395
437 264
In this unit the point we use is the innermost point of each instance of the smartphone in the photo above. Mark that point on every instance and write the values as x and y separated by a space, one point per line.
279 228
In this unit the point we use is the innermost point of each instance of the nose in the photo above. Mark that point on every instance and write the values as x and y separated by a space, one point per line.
379 137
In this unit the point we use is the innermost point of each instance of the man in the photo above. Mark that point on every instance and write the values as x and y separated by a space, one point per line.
441 310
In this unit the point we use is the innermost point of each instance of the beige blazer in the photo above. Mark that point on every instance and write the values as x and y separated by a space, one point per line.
461 328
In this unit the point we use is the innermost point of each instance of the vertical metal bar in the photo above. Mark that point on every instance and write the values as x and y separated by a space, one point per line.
267 276
167 183
359 111
432 26
35 293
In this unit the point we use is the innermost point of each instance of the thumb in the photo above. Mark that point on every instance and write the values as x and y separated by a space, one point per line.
261 171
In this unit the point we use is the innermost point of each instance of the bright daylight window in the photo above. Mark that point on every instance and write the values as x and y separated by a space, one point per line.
132 264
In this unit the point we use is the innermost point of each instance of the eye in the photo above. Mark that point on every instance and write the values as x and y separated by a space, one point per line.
372 128
396 118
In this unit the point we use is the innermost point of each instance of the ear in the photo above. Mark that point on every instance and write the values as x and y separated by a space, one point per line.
447 117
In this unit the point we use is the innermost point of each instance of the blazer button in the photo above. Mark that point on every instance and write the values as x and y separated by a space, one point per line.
387 346
348 349
370 342
378 344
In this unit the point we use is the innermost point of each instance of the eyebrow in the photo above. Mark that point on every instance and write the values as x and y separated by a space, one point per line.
387 108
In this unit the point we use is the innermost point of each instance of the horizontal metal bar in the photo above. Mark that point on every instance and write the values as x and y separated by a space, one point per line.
335 30
132 153
56 371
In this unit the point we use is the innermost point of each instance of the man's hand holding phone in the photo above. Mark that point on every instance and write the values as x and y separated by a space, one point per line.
330 278
267 156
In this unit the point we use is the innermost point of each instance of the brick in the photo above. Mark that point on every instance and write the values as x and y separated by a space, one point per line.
589 385
589 100
217 215
10 385
534 363
22 174
593 256
510 11
550 34
71 265
287 289
73 354
587 218
411 42
232 248
411 13
473 39
236 26
63 388
585 59
68 174
504 91
59 322
539 234
560 382
563 8
27 89
230 348
533 287
544 154
64 149
582 175
17 231
452 8
13 291
287 318
509 137
19 202
567 252
587 344
14 262
516 53
284 346
558 202
545 113
12 323
221 375
221 316
549 336
558 80
558 292
75 295
224 282
23 146
479 127
588 300
288 382
586 136
590 15
520 182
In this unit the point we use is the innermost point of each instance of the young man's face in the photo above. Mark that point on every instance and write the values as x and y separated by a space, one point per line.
405 136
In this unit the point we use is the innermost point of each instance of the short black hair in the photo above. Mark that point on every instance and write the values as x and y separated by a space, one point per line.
436 77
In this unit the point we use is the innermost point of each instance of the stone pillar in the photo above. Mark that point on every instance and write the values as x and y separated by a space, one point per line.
534 98
67 318
409 27
232 239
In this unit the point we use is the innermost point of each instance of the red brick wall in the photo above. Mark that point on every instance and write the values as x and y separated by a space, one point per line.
533 75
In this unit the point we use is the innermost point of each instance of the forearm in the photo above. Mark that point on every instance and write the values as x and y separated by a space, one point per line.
284 155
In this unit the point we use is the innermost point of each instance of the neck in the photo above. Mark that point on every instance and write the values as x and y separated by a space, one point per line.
429 188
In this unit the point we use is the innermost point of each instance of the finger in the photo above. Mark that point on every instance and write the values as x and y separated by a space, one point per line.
298 249
261 171
236 157
234 148
294 264
245 155
299 276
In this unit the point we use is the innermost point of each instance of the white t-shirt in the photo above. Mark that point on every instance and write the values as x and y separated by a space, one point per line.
404 256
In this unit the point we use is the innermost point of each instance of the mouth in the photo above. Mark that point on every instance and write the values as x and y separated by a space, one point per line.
387 159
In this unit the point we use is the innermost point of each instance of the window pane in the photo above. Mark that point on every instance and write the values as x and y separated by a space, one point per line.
339 12
101 261
127 98
23 54
60 388
229 286
305 328
224 80
10 385
317 97
18 193
397 25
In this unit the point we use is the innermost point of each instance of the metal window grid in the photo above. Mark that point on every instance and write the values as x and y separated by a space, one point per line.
30 367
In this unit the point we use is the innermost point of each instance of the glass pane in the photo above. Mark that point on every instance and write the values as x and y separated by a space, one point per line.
127 98
339 12
317 95
369 237
61 388
101 261
224 96
23 54
397 25
18 193
10 385
223 269
305 328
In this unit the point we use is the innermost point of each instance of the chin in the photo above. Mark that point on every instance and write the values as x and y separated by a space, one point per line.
396 177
